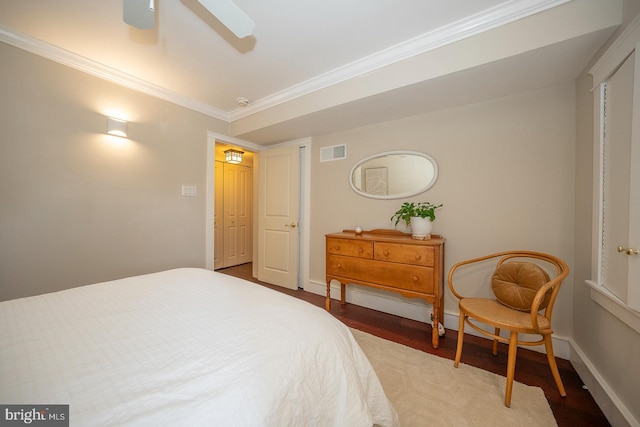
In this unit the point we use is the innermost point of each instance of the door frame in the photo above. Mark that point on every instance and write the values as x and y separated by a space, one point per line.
305 197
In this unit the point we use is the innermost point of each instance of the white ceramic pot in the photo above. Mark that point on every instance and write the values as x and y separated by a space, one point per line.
421 228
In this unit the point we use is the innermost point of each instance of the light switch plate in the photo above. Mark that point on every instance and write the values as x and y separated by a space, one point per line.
189 190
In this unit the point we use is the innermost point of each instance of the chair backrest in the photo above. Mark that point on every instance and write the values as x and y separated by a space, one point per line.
547 293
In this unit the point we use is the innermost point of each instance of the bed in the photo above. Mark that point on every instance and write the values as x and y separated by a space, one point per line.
186 347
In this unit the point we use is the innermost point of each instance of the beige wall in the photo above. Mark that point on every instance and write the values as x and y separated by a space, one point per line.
506 180
78 206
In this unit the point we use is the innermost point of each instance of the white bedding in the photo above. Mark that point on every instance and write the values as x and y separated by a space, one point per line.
186 347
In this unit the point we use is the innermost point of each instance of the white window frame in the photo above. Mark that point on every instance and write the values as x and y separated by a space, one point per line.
606 66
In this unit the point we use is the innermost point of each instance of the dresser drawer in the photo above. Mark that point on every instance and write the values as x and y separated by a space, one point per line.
350 247
400 276
406 254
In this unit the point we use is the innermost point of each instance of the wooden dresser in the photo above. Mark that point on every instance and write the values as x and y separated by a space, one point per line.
389 260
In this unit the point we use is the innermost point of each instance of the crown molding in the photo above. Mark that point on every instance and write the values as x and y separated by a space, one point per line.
86 65
502 14
486 20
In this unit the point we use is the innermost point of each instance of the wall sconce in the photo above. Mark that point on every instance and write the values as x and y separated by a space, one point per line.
233 156
117 127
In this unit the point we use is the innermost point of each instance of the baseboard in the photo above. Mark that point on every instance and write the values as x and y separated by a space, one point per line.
612 407
415 309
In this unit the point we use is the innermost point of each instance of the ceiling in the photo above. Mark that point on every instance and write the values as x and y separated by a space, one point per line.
312 66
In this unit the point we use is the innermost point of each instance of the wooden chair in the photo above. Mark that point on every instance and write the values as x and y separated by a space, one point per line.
524 301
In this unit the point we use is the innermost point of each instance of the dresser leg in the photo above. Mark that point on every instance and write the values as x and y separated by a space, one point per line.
435 334
327 304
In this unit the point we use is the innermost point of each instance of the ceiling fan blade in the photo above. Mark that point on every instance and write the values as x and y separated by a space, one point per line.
231 16
139 13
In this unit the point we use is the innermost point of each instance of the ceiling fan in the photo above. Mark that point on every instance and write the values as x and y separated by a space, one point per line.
141 14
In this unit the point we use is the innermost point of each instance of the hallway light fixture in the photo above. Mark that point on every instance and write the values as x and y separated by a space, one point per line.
117 127
233 156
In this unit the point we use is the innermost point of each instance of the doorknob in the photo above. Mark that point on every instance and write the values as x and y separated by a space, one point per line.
292 225
628 251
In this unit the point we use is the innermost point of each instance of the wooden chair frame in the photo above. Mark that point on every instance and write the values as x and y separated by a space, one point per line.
516 322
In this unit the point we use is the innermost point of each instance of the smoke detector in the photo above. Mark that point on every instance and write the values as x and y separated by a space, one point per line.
242 102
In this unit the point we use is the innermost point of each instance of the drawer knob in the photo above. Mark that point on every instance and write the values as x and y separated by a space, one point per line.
415 278
418 257
360 250
339 265
385 252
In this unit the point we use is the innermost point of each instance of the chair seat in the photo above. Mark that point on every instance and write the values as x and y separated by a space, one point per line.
490 310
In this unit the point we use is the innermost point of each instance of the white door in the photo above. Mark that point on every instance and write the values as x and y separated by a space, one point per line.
237 215
278 206
621 183
245 207
218 221
634 197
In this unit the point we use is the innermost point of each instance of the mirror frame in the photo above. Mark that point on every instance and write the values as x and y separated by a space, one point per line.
399 195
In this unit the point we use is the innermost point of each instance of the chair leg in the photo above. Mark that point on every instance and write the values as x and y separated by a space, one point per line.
460 339
511 367
548 344
495 342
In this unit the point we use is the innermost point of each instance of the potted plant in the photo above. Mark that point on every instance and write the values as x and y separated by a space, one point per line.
419 216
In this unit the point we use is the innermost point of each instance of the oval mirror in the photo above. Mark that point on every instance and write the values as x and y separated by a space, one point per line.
394 175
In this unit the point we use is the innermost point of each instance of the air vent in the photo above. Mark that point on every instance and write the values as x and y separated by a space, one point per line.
334 152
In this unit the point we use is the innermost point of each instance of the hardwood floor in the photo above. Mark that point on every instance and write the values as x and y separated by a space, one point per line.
576 409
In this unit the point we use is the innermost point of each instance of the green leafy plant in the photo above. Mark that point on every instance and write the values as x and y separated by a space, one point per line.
421 209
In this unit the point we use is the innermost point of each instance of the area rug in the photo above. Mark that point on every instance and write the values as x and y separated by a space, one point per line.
427 390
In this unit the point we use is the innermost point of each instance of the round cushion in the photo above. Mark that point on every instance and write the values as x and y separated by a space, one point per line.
515 284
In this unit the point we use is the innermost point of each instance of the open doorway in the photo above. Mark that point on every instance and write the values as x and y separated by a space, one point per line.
257 152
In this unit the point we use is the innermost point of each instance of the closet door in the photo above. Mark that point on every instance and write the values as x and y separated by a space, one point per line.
237 214
218 217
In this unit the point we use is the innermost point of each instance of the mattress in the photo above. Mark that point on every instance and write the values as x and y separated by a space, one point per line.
186 347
